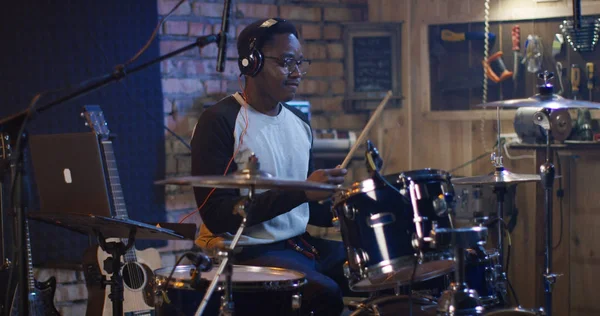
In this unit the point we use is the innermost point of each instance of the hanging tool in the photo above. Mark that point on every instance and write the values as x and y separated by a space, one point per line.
516 48
589 67
557 45
534 53
559 72
575 80
495 68
583 126
450 36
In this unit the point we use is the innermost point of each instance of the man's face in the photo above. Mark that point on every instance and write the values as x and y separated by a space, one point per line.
275 78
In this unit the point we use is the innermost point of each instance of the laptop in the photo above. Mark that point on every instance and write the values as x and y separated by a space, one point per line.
69 173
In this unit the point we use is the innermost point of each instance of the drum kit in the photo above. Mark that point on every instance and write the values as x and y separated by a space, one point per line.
399 233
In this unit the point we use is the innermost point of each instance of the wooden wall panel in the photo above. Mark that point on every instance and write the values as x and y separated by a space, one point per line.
445 142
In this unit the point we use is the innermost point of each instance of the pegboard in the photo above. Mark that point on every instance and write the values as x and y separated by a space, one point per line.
456 73
49 46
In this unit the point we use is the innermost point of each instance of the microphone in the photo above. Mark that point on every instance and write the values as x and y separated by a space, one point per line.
222 55
373 159
201 261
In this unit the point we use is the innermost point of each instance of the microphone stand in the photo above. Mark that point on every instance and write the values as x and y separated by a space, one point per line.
13 125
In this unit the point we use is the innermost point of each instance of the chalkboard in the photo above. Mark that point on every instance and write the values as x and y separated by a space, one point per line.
372 63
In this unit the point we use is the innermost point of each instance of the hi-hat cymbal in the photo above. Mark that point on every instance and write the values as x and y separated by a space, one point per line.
552 102
498 178
240 181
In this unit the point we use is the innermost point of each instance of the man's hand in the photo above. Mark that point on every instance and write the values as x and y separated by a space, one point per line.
328 176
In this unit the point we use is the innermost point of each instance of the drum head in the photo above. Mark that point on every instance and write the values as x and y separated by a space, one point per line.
514 312
419 175
402 275
396 305
243 277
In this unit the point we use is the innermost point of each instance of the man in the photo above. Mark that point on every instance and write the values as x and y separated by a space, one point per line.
258 122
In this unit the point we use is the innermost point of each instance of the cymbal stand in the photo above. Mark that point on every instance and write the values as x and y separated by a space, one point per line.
500 191
227 304
547 172
497 161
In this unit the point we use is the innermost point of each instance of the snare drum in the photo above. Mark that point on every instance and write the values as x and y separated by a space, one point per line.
256 291
380 223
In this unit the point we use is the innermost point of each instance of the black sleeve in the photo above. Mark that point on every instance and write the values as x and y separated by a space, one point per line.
212 148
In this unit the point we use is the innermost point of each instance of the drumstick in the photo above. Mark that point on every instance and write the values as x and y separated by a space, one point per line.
366 130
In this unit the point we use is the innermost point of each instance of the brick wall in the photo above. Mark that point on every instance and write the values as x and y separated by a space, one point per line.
190 81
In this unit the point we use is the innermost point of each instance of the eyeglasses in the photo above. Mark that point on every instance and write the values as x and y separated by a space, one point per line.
291 64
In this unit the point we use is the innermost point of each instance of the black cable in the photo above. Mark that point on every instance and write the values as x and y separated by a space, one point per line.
161 123
560 193
512 290
473 160
166 286
151 39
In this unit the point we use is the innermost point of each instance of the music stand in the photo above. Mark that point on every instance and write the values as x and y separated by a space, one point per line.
104 228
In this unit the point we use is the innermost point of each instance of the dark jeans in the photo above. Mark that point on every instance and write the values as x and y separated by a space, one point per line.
323 292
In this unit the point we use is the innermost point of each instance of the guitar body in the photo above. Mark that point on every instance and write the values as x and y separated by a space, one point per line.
41 301
138 282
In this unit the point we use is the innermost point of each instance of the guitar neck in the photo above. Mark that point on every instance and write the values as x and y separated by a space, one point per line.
30 278
116 191
114 180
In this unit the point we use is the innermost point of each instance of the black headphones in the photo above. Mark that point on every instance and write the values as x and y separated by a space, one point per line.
252 64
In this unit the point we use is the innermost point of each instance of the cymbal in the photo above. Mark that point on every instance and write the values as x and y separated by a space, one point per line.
498 178
552 102
258 181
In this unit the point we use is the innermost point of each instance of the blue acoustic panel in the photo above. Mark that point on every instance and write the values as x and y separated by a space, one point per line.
51 45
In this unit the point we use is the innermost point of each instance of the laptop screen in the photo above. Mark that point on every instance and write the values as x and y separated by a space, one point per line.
69 173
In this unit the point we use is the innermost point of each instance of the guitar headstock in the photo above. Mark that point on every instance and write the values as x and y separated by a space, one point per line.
4 147
95 120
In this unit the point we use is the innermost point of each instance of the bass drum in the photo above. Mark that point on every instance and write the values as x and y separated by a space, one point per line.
256 291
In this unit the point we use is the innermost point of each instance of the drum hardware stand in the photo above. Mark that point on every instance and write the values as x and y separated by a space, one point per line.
227 304
458 299
112 265
547 173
